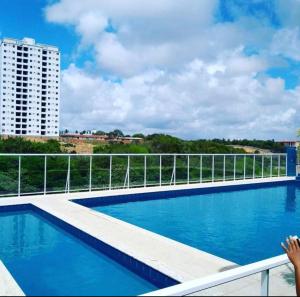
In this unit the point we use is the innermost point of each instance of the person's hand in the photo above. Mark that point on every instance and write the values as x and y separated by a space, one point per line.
293 251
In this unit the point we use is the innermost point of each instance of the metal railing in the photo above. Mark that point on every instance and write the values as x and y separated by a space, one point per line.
198 286
26 174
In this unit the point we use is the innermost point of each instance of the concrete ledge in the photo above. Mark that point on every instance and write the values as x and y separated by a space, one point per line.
176 260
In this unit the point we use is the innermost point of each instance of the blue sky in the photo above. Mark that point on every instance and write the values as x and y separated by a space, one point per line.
265 11
195 69
232 10
19 18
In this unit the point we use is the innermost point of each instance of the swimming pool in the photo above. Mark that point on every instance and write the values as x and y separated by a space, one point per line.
242 224
45 259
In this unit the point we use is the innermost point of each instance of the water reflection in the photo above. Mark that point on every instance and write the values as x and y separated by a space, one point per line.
23 235
291 203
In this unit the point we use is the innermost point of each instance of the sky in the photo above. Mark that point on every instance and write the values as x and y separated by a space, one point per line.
190 68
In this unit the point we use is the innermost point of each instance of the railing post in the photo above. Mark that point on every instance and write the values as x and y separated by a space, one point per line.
128 181
19 176
224 169
174 170
234 171
263 166
45 175
188 170
110 172
271 166
254 164
213 169
279 165
160 170
91 168
69 173
245 159
201 169
265 282
286 165
145 171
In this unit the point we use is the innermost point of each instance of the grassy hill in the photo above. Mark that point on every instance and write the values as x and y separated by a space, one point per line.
156 143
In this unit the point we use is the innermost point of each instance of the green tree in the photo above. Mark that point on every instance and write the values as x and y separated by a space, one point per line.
99 132
160 143
116 133
139 135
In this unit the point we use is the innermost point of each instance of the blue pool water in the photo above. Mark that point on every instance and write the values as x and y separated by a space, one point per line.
45 260
243 226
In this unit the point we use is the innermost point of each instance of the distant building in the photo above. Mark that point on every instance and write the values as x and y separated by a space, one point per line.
78 138
127 140
29 88
290 143
84 137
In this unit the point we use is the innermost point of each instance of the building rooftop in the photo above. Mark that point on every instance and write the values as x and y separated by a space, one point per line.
28 41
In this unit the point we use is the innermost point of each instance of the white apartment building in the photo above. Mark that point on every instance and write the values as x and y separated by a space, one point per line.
30 88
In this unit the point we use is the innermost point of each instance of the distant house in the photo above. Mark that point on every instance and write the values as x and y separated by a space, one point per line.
290 143
127 140
78 138
85 137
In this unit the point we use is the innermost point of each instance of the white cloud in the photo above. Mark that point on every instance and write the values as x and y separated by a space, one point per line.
90 26
286 42
163 34
181 72
195 102
150 33
71 10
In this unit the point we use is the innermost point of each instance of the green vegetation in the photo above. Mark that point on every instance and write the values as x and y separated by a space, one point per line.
21 146
165 144
32 168
262 144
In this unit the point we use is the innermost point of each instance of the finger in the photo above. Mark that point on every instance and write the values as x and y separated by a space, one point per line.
297 243
284 247
290 247
293 243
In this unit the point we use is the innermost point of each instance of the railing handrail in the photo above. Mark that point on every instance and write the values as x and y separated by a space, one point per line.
221 278
136 155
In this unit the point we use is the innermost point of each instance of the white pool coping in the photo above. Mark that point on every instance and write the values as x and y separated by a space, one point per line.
178 261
